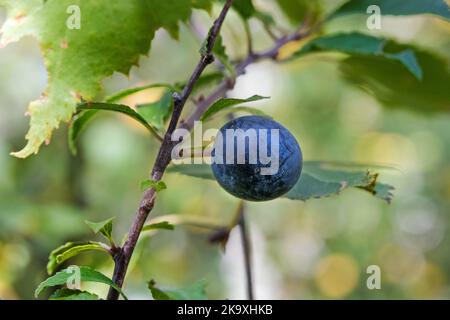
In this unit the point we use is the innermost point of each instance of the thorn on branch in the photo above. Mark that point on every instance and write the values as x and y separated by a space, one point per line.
230 82
116 253
220 237
148 201
176 98
209 58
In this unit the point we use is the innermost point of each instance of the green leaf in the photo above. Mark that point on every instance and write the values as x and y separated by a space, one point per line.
220 53
244 8
67 275
196 221
103 227
396 7
157 185
68 294
298 10
121 108
395 87
69 250
194 292
317 180
265 18
203 4
160 225
249 110
169 13
363 45
80 121
320 180
156 113
60 258
205 80
111 38
226 103
116 97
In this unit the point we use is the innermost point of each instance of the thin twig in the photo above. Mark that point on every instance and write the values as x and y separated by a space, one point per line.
228 83
220 236
123 256
269 31
246 249
248 35
200 35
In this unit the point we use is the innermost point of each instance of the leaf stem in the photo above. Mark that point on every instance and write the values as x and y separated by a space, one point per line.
248 34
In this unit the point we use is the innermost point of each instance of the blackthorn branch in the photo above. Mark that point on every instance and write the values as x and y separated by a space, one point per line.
123 255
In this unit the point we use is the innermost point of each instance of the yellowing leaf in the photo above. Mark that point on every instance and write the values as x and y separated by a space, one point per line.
110 36
290 48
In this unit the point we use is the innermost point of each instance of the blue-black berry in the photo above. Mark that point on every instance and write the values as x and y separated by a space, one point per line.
273 158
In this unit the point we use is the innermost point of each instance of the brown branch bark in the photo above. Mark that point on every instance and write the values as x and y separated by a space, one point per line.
123 255
228 83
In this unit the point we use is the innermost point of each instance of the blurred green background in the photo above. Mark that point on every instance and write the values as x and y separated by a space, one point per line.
317 249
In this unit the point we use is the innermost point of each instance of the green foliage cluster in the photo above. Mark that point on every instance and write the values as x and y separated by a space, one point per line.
398 75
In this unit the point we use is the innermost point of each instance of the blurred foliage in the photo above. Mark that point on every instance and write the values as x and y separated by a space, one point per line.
316 249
